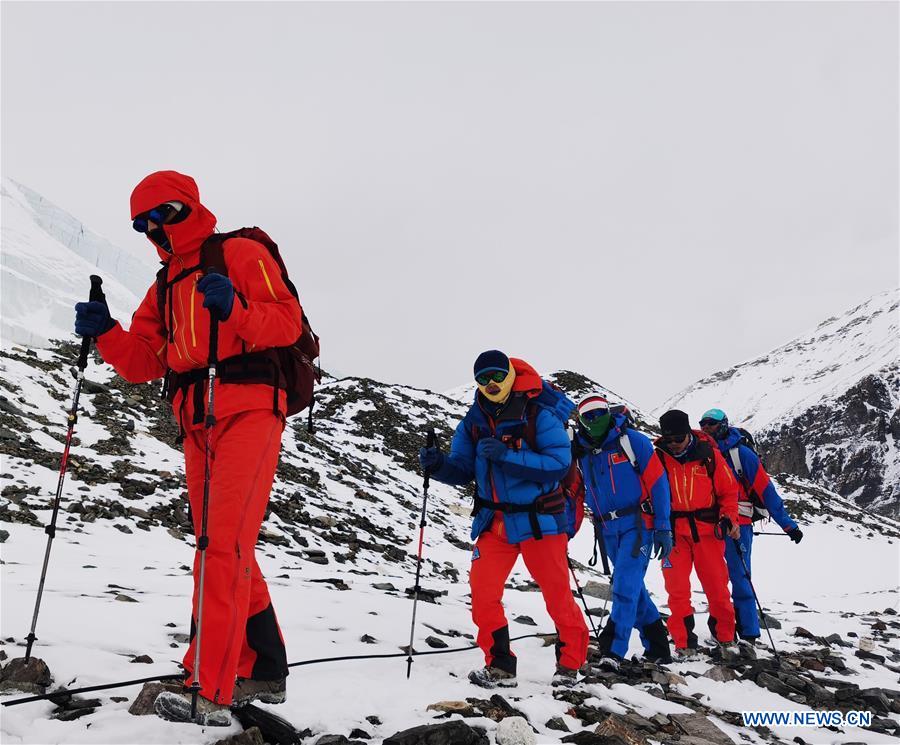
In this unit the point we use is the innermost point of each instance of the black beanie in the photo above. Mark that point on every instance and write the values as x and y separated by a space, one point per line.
675 423
493 359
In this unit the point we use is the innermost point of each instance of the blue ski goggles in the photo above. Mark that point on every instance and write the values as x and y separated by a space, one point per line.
160 215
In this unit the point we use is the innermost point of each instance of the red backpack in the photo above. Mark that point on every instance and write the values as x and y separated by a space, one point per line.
287 368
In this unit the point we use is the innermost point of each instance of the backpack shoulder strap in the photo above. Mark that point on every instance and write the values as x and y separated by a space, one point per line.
161 278
531 414
735 455
212 253
625 444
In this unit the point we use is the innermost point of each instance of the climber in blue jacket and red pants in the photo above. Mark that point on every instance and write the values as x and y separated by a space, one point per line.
513 443
627 491
757 499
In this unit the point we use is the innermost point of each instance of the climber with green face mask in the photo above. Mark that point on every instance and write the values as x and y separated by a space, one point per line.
628 494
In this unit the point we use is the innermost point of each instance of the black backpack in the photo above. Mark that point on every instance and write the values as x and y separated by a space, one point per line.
287 368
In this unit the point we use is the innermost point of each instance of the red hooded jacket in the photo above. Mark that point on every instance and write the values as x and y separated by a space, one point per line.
265 314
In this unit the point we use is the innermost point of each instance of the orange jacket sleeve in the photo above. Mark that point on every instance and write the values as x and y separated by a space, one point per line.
265 313
139 354
726 488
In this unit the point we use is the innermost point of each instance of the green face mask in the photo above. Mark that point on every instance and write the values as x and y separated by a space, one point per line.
598 426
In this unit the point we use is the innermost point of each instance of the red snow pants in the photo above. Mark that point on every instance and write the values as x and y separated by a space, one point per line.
707 556
546 561
240 634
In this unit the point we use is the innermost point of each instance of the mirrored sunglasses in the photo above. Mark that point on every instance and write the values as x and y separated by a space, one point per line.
498 376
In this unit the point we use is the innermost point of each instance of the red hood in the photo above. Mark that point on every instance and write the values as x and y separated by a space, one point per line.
527 379
169 186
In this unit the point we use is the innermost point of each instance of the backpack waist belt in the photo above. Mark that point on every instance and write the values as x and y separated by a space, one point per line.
254 367
706 515
553 503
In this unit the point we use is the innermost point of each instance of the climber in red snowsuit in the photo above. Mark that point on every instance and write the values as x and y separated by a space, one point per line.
704 512
240 636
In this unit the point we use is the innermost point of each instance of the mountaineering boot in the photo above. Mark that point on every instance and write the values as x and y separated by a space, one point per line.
247 690
564 677
686 653
176 707
609 663
657 639
493 677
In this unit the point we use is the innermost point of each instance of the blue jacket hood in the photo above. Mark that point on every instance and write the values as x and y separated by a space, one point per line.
730 440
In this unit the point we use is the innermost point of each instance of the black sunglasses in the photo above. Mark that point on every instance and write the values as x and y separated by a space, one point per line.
673 439
498 376
709 422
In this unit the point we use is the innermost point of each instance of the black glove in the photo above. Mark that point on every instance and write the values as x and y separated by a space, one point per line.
795 534
92 319
431 459
724 527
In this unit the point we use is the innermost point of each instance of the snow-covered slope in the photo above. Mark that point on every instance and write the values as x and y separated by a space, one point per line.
47 258
826 405
338 547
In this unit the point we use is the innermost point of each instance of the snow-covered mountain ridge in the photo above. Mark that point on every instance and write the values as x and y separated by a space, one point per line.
825 406
47 256
338 548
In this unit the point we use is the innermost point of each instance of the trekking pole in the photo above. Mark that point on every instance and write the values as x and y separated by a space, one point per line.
96 295
430 441
762 614
203 540
781 534
590 618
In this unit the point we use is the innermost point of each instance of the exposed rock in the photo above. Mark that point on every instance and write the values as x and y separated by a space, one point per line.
699 726
143 704
557 724
359 734
615 726
435 643
721 674
525 620
448 733
453 707
34 672
596 590
515 731
250 736
143 658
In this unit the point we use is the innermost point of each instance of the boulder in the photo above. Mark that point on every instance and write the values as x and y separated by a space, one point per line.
515 731
453 732
250 736
143 704
34 672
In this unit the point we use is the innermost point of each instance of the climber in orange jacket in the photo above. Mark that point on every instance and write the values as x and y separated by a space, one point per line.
704 512
242 651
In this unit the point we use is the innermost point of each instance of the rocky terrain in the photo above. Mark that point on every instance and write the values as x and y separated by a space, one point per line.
338 548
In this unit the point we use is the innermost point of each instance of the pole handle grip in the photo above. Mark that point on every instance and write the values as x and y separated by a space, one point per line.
213 331
95 295
430 442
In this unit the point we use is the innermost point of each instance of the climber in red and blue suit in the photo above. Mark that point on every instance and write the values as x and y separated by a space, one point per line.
757 498
627 492
520 508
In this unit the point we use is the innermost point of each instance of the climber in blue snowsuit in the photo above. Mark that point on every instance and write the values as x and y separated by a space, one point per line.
757 499
620 496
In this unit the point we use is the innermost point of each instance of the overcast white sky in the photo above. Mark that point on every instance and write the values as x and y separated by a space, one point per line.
644 192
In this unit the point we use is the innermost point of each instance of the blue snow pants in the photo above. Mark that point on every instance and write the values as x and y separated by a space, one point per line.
632 607
746 618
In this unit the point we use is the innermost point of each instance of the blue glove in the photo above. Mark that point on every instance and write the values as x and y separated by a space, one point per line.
431 459
92 319
662 544
218 292
491 448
